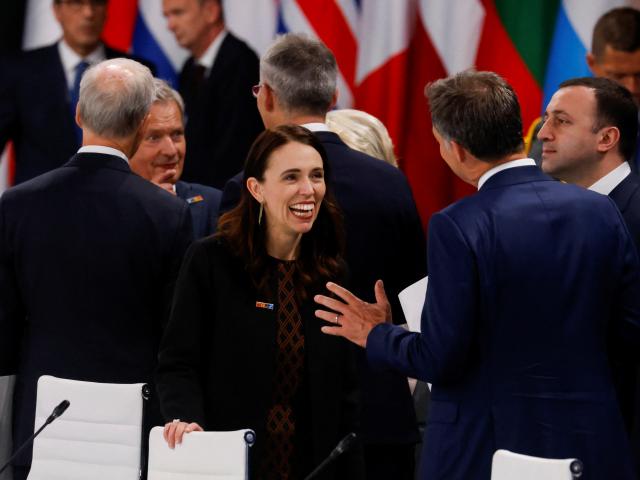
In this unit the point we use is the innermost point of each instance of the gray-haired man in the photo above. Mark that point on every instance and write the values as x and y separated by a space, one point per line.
88 254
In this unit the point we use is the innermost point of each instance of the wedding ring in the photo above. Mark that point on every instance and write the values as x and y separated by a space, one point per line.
337 317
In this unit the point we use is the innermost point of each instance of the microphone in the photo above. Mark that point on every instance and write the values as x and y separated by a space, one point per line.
343 446
59 410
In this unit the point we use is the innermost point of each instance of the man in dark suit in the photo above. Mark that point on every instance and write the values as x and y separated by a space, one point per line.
589 131
39 89
160 159
215 82
383 231
89 253
525 280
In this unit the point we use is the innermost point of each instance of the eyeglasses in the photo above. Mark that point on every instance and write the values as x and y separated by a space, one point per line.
256 89
79 4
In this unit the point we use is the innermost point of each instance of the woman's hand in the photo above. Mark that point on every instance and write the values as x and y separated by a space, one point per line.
173 431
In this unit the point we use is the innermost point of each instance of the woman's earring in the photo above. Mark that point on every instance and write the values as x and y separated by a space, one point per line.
260 214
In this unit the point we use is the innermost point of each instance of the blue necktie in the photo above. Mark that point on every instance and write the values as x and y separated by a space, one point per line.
74 94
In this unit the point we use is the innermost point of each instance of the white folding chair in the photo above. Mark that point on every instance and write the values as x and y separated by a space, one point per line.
98 437
201 456
514 466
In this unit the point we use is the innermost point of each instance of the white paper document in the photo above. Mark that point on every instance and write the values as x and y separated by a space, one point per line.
412 301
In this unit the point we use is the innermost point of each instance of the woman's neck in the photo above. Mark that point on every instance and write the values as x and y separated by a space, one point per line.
282 246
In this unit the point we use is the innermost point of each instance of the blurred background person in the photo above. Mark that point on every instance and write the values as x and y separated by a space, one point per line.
363 132
160 159
39 89
242 348
89 254
215 83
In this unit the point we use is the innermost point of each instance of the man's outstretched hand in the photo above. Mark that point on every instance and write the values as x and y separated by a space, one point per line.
353 318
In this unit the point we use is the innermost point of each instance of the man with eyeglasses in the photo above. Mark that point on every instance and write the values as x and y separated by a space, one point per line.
39 89
221 116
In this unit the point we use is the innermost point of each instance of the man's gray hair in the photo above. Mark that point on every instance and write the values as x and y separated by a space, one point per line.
164 93
302 72
115 96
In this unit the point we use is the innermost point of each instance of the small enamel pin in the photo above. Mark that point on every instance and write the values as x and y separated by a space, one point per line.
268 306
196 199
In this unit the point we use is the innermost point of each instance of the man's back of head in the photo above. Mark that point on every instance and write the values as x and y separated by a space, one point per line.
615 48
302 72
476 120
115 96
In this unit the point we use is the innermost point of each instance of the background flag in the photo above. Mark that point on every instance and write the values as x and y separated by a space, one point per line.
387 51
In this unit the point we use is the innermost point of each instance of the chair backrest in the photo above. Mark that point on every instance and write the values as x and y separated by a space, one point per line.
509 466
202 455
98 437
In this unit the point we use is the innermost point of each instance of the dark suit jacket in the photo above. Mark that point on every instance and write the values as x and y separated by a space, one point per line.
89 253
35 110
217 358
384 240
627 198
222 117
626 373
204 203
508 370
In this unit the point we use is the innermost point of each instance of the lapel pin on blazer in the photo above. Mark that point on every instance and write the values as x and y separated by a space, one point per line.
196 199
265 305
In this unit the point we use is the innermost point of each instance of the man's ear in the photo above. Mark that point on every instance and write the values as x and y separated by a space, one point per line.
608 138
255 189
78 119
269 98
459 151
334 99
592 63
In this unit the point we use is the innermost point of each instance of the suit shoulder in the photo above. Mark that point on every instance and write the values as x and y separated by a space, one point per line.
238 47
372 171
32 61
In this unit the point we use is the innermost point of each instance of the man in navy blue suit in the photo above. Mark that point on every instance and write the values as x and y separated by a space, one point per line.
160 159
39 89
383 231
89 253
526 280
589 130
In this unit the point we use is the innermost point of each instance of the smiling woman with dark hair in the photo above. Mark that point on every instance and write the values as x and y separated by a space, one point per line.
242 348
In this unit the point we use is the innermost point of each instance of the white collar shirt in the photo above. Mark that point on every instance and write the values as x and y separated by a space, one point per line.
71 59
104 150
612 179
522 162
209 56
316 127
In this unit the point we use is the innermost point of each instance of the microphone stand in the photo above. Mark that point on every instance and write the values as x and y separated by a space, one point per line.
344 445
59 410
